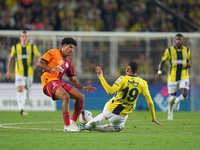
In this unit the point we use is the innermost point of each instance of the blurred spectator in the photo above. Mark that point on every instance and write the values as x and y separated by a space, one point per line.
98 15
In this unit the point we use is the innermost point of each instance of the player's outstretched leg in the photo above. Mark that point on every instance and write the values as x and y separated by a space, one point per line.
107 128
93 123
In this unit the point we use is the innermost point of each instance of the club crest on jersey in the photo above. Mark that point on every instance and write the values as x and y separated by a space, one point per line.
118 80
66 65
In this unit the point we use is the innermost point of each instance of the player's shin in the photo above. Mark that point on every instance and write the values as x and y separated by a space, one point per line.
78 107
95 121
108 128
27 94
20 100
177 102
66 118
170 106
66 115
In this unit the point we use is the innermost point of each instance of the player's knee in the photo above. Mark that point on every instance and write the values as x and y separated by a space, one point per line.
82 97
20 89
185 94
65 97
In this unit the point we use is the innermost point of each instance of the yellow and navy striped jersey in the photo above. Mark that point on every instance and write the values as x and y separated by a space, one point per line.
128 88
178 63
24 58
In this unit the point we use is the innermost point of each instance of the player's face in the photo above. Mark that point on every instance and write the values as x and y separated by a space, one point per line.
67 49
24 38
128 69
179 40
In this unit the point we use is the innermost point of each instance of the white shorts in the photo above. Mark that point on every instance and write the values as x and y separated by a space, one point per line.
116 121
174 86
24 81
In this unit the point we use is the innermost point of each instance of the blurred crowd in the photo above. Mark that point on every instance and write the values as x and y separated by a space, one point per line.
98 15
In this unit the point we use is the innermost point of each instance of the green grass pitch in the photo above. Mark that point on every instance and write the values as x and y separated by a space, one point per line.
44 131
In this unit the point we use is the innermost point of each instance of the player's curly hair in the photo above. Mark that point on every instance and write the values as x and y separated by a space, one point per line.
69 41
134 66
179 34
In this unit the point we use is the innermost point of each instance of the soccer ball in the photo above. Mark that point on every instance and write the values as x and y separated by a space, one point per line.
85 117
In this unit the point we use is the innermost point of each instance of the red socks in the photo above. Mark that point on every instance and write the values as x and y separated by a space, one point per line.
66 118
78 106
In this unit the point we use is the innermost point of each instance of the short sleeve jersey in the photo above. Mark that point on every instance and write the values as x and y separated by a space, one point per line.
54 59
24 58
129 88
178 63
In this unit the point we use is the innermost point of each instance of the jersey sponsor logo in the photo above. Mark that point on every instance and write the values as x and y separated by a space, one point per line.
23 56
179 61
118 80
135 84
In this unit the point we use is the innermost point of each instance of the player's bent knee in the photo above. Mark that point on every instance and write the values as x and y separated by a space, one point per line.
20 89
65 97
185 95
81 97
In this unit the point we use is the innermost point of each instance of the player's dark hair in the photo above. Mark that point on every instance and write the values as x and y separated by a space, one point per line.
69 41
134 66
24 32
179 34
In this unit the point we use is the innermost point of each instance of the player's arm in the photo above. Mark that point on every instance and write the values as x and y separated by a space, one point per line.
43 64
109 89
189 61
37 54
77 84
44 60
150 103
165 57
10 62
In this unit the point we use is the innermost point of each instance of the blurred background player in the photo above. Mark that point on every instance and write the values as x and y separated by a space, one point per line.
55 64
128 88
178 75
23 53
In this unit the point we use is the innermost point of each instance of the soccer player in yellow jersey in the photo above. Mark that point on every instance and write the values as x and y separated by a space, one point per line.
179 59
23 54
128 88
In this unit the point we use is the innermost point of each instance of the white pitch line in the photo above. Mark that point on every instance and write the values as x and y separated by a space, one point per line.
22 128
13 126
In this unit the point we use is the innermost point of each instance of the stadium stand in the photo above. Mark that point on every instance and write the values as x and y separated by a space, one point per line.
101 15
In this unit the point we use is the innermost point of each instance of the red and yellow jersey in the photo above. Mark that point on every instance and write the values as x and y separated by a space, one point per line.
54 59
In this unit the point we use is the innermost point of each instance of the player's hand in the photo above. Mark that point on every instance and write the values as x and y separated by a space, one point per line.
99 70
8 75
57 69
88 88
156 122
158 76
188 66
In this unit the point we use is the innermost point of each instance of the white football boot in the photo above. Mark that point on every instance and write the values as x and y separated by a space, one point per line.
74 126
69 129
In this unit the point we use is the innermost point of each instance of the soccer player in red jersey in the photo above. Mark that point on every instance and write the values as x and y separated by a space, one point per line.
55 64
